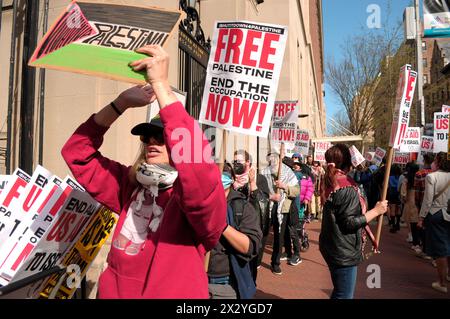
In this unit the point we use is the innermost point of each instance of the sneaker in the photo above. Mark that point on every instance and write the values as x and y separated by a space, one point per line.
437 286
276 270
294 261
409 239
284 256
433 263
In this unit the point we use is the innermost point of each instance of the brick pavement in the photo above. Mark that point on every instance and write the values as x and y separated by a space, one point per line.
403 275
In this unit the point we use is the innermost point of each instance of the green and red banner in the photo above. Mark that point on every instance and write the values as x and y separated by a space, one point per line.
100 39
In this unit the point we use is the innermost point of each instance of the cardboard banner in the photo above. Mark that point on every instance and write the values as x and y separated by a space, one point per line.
411 141
436 18
302 142
441 126
80 256
405 93
445 108
357 158
320 148
379 156
401 158
242 76
100 39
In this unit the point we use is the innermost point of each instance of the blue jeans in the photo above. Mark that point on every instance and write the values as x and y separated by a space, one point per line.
344 281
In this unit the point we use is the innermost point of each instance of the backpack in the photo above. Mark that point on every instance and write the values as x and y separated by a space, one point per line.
393 187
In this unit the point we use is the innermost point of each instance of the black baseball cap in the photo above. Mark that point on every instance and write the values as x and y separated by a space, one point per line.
146 128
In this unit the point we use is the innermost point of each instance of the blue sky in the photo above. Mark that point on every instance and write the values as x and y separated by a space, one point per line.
344 18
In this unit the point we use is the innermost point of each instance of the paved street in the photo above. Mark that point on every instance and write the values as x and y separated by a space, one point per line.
403 275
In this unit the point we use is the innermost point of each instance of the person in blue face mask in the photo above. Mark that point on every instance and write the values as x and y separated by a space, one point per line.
229 272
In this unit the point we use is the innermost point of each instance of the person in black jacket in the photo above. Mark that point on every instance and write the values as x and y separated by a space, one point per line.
229 273
340 240
256 189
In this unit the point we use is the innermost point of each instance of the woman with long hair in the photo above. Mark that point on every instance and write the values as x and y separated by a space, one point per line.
344 219
435 217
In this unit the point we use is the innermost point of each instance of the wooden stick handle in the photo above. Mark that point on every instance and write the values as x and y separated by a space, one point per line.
387 173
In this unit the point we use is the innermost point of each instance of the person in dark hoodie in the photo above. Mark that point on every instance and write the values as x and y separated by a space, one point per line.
229 272
255 188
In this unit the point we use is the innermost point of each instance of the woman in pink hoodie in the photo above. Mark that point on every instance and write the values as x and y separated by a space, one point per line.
172 208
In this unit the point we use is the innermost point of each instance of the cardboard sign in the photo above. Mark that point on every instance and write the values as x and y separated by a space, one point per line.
320 148
445 108
100 39
302 142
441 127
357 158
405 93
379 155
242 76
401 158
411 141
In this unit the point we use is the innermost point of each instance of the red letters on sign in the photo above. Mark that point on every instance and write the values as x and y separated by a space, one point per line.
239 47
14 192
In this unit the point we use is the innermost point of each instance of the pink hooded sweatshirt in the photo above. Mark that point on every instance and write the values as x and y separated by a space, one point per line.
171 263
306 189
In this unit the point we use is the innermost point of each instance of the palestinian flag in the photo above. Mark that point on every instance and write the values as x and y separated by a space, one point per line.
100 39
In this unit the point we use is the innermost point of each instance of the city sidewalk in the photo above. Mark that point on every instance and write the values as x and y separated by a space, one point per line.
403 275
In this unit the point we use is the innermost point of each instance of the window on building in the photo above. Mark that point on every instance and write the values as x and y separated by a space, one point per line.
424 46
425 79
425 63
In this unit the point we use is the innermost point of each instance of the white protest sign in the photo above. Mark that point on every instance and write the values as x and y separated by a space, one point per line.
411 141
445 108
401 158
242 76
320 148
69 223
379 155
357 158
9 200
441 132
284 126
405 93
302 142
426 146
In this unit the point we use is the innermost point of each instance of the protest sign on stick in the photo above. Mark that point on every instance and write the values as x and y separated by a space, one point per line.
302 142
405 94
242 76
100 39
320 149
